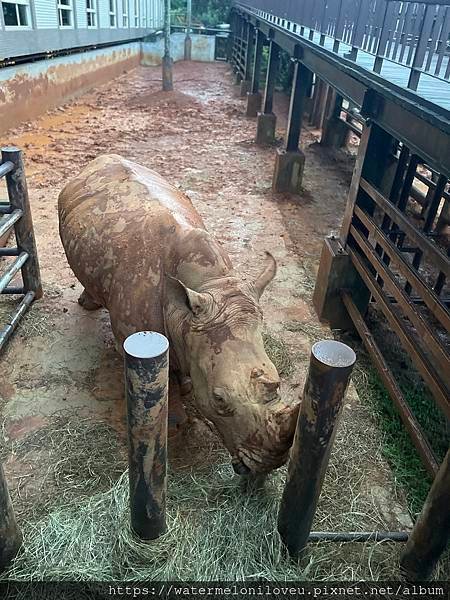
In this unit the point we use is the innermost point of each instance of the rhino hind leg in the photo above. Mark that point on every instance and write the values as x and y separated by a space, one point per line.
87 302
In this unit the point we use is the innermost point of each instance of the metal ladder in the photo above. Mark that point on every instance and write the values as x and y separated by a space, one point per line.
15 212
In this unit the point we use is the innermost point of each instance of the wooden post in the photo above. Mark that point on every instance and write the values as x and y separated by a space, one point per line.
431 533
10 536
146 383
167 62
330 368
18 196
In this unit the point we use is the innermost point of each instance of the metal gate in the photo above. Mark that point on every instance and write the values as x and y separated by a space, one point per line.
16 214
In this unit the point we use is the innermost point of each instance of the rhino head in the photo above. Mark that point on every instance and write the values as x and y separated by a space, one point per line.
216 333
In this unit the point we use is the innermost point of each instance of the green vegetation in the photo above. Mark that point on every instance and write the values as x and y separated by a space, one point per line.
397 445
204 12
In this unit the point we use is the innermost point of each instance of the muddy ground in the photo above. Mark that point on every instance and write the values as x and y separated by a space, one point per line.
62 359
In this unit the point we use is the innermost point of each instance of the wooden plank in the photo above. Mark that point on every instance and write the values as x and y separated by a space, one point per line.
439 259
409 420
427 294
420 360
424 331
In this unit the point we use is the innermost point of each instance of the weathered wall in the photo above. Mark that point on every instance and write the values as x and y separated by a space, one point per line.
203 49
28 90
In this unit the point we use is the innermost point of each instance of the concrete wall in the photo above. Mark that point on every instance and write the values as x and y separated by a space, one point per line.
203 49
28 90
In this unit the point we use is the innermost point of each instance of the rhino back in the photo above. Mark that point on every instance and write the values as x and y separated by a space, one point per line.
123 226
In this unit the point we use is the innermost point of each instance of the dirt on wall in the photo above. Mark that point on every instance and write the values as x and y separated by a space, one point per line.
34 88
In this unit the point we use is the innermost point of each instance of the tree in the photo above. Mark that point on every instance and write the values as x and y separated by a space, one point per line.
205 12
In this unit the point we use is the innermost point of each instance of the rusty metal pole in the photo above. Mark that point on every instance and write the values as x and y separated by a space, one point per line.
167 62
146 384
18 196
330 368
10 535
431 533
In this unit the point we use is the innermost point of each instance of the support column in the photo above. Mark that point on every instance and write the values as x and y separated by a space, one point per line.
10 535
431 533
330 367
188 39
246 82
146 356
290 160
254 96
265 129
319 101
334 131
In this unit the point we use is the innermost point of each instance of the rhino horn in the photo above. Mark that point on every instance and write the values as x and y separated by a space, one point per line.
266 276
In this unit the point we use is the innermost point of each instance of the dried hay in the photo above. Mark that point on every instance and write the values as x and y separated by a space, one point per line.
217 530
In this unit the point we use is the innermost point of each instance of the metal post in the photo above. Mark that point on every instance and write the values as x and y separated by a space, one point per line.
248 58
266 125
167 62
18 196
256 76
300 86
272 72
10 535
146 384
330 368
254 97
290 160
188 39
431 532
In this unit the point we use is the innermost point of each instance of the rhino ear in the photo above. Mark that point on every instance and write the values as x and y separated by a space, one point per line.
266 276
179 293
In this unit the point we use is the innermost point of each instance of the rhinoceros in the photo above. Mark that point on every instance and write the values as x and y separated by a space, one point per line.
141 250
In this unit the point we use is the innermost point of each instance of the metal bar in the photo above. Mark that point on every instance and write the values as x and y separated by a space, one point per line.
431 532
14 290
12 270
9 220
7 331
439 259
6 167
257 62
409 420
272 72
10 535
430 298
18 196
146 356
358 536
9 251
5 208
330 368
300 86
421 361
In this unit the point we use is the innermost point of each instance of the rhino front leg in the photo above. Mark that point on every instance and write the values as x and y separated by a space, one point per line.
87 302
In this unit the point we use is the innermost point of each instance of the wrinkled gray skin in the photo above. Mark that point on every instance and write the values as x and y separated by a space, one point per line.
142 251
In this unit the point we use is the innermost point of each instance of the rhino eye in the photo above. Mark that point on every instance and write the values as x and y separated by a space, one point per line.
221 404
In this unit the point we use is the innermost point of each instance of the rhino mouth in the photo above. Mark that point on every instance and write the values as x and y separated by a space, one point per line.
247 461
